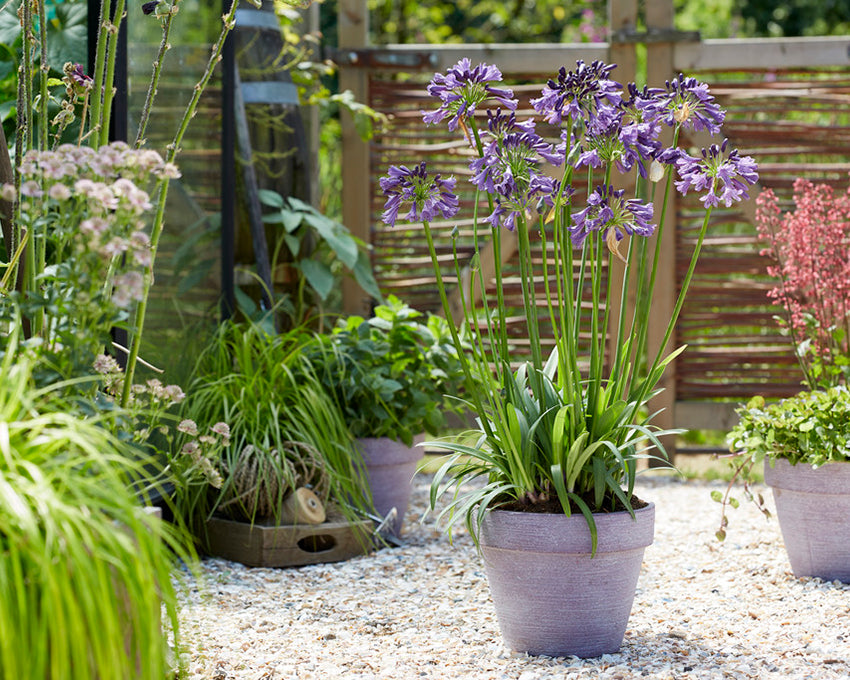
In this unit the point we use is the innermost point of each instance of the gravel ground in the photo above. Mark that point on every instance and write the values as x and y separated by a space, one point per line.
702 609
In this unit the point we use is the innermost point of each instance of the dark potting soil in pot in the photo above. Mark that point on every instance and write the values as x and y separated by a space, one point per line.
552 505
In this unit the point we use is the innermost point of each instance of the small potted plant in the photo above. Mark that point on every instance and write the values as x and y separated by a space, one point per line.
394 377
559 434
292 488
804 441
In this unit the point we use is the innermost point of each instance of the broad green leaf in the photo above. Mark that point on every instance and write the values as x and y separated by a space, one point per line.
68 42
363 275
319 276
270 198
337 237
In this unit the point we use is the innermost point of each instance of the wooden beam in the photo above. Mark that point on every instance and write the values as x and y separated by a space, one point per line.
762 53
530 58
353 27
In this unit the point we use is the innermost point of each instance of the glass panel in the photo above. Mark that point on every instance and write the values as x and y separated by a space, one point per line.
183 305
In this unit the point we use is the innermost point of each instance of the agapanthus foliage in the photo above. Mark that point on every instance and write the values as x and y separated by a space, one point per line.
810 249
557 427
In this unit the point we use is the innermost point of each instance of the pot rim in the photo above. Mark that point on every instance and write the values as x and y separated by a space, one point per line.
832 478
559 533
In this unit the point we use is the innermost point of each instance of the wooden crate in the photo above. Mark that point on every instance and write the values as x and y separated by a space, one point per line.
267 545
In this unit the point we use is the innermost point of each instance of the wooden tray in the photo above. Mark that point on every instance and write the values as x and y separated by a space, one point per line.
266 545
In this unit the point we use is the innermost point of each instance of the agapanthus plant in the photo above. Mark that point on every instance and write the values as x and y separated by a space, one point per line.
563 431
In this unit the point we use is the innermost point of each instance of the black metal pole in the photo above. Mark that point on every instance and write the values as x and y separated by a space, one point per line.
228 174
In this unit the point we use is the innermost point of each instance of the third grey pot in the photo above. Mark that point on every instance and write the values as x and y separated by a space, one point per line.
390 466
550 596
813 507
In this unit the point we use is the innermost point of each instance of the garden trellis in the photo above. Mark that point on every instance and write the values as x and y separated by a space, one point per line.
787 103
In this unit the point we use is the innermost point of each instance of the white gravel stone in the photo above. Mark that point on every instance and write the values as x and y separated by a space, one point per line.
703 609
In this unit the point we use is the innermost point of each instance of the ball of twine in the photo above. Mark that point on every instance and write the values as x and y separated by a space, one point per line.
259 481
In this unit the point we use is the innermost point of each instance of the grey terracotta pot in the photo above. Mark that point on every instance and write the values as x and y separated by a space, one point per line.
552 597
390 466
813 507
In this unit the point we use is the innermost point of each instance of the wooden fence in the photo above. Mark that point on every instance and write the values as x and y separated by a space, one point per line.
788 105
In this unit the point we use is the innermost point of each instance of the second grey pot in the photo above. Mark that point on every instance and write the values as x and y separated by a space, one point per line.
813 507
390 466
552 597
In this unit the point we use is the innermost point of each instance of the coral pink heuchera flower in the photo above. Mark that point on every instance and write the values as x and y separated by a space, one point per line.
810 248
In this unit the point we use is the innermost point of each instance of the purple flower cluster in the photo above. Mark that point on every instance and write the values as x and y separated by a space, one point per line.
462 89
724 177
509 169
609 211
585 92
686 102
426 196
602 129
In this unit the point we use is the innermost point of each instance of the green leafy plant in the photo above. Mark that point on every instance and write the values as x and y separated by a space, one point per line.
321 250
85 572
811 428
393 375
281 423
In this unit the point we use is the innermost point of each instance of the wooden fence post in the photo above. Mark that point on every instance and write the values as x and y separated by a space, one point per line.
659 66
353 27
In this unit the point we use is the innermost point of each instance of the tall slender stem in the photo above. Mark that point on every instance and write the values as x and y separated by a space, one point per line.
157 70
228 22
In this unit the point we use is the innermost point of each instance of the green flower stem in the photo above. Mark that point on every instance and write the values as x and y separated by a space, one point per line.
228 22
157 70
595 258
528 291
496 236
444 299
108 85
680 301
44 69
618 367
99 66
640 350
621 356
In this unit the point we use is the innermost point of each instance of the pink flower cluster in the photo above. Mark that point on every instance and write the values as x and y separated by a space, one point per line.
96 194
810 246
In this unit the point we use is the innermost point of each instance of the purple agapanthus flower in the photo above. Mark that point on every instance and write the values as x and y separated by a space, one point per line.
426 196
500 125
610 212
585 93
726 178
509 171
640 129
462 89
687 103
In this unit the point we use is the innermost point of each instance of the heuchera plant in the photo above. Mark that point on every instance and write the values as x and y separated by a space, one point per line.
557 430
811 261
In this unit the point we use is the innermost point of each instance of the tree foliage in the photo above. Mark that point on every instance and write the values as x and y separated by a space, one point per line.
795 17
486 21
